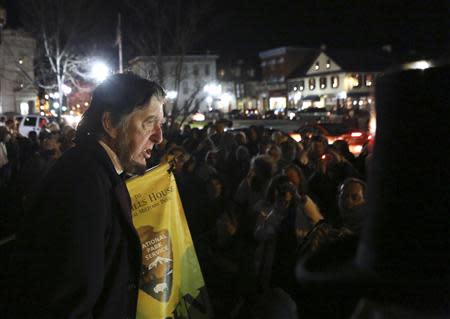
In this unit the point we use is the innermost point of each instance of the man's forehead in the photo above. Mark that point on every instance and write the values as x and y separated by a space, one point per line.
152 109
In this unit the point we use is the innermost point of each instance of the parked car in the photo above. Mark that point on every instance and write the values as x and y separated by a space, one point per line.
214 115
252 114
235 114
313 114
32 122
355 138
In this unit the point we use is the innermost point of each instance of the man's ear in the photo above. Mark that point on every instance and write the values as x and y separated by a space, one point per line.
108 126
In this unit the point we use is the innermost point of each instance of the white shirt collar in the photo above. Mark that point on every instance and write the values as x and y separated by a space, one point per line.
113 156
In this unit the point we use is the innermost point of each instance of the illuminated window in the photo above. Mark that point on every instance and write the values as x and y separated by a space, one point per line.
221 73
334 82
328 64
281 60
356 80
323 83
316 66
368 80
263 64
312 84
301 86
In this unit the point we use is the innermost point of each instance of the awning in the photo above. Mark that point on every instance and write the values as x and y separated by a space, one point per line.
311 98
359 94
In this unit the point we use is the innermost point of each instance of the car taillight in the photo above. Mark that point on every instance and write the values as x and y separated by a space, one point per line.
356 134
296 137
355 149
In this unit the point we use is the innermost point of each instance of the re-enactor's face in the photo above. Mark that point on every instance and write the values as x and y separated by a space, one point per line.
140 134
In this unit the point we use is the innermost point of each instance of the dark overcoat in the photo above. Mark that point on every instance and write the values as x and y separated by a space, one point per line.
78 254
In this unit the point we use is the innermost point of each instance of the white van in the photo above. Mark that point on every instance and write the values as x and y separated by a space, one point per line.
32 122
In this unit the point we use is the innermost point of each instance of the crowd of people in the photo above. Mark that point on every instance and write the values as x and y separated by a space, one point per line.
255 200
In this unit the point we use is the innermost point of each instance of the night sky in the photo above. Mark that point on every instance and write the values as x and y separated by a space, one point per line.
237 28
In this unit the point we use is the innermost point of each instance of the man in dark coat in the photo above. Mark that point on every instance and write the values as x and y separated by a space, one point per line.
78 253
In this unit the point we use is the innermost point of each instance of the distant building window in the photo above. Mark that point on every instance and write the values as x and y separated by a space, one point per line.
323 83
328 64
356 80
334 82
195 70
281 60
263 63
207 69
185 88
316 66
301 85
368 80
221 73
312 84
251 73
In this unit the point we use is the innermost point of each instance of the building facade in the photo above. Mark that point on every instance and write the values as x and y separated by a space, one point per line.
337 79
195 76
276 66
17 83
241 78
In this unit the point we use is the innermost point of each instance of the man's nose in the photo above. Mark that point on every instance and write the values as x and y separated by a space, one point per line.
157 136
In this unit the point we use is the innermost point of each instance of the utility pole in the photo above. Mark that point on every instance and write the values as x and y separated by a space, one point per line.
119 43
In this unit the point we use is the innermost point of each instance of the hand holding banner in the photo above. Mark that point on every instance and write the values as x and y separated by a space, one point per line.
172 284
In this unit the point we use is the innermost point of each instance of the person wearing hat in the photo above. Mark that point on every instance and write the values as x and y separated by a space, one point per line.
78 254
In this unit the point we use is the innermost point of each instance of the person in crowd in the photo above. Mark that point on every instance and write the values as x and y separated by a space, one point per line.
67 138
332 169
36 168
317 146
342 147
311 213
4 139
241 138
78 255
274 151
288 154
252 189
351 203
302 160
276 230
253 139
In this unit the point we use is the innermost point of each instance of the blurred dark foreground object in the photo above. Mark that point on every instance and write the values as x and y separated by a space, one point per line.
402 261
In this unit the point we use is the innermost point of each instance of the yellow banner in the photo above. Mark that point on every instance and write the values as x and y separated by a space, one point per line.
172 284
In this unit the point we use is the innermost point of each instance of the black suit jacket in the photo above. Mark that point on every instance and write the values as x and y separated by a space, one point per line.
78 253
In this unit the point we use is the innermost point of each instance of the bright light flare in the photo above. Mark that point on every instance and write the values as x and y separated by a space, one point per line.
421 65
296 137
213 89
355 149
356 134
198 117
172 95
100 71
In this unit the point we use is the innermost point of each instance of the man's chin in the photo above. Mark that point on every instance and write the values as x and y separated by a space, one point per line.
135 168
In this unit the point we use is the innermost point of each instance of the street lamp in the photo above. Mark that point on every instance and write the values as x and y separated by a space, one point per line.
100 71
